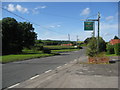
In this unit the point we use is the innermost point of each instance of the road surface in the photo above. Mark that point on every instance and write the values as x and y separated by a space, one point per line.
20 71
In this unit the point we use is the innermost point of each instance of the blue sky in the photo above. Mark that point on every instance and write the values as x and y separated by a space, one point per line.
58 19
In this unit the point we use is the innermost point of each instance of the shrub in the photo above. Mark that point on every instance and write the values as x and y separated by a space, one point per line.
46 50
92 47
102 45
117 49
110 49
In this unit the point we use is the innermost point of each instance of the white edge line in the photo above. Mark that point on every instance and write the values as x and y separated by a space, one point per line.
59 67
34 77
48 71
14 85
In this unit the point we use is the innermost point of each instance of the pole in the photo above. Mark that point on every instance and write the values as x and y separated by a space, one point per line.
68 37
98 31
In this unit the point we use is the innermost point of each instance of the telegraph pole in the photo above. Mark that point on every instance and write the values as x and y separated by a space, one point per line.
77 37
68 37
98 31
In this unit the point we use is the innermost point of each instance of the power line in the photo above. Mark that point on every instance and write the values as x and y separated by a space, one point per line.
30 21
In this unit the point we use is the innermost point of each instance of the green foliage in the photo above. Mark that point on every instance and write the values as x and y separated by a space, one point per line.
102 45
92 47
16 35
27 33
11 58
110 49
116 37
11 36
46 50
117 49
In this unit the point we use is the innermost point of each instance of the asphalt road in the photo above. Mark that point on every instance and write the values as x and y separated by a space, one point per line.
20 71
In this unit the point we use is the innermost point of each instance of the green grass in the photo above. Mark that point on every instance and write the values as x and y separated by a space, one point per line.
29 54
111 55
58 47
64 50
11 58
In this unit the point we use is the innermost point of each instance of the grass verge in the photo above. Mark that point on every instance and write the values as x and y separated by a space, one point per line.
64 50
12 58
29 54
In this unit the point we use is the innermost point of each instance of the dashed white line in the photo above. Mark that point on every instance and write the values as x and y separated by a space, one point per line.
14 85
75 60
97 76
34 77
48 71
59 67
65 64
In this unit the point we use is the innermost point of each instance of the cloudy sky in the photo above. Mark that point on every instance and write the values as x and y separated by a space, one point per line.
55 20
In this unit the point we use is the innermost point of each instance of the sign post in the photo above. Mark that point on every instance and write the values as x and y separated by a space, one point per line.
89 26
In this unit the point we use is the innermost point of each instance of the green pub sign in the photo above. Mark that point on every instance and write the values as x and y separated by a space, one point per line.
88 26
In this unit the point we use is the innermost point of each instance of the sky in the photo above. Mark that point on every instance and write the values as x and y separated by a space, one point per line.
58 19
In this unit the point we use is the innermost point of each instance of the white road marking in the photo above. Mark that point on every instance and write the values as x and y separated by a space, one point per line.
34 77
48 71
59 67
14 85
97 76
75 60
80 72
85 69
65 64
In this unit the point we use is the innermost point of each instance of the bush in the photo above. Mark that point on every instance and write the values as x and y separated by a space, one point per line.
102 45
46 50
110 49
92 47
117 49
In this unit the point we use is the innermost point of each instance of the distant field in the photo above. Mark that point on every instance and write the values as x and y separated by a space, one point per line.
64 50
57 47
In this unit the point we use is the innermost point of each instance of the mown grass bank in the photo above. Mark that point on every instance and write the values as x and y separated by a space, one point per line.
12 58
30 54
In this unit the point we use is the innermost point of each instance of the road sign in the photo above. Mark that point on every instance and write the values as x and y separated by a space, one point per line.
88 26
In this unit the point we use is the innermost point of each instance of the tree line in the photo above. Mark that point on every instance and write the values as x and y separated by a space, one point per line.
16 35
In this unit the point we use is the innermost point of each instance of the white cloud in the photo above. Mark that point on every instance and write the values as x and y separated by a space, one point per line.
54 26
43 6
58 25
85 11
36 9
40 7
19 8
11 7
107 26
109 18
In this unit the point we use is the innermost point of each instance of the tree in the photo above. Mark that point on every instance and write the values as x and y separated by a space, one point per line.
92 46
116 37
10 36
16 35
28 34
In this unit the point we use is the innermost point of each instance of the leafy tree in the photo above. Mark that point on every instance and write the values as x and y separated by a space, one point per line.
102 45
116 37
28 34
16 35
92 47
10 36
